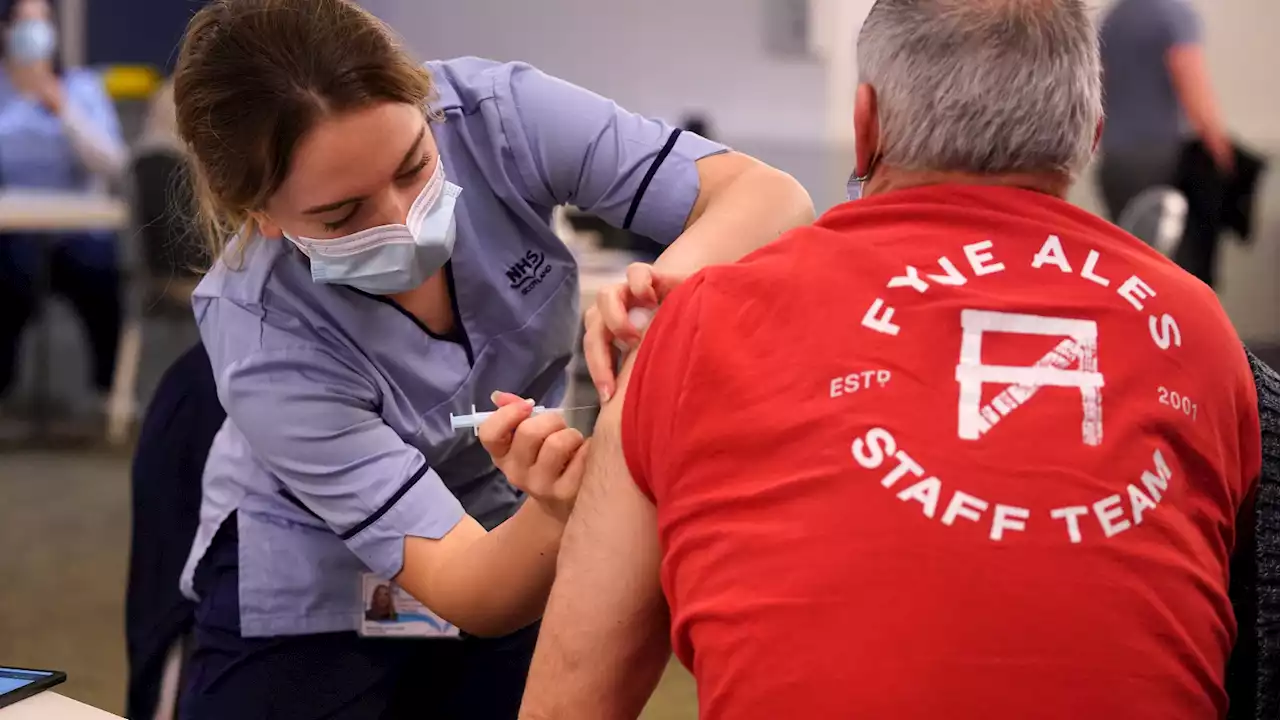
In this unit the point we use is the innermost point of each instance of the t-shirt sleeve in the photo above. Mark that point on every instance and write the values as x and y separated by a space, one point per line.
651 406
572 146
310 420
1182 24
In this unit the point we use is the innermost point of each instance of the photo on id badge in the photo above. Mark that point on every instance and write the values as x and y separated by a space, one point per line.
389 611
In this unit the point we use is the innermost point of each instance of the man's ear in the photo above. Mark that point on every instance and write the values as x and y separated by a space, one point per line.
866 128
1097 134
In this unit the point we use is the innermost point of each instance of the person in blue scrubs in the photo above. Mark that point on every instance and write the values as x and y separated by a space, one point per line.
58 132
385 259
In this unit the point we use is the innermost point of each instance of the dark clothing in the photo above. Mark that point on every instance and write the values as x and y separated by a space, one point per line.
1122 176
339 676
81 268
1253 674
181 421
1215 202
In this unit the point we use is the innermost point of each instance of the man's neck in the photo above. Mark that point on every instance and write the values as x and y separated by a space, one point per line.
886 179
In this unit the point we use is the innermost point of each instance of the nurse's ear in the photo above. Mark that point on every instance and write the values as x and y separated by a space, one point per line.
265 226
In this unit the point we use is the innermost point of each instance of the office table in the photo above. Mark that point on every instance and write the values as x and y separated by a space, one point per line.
45 212
52 706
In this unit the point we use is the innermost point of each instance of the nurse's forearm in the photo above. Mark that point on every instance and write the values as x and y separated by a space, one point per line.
488 584
743 205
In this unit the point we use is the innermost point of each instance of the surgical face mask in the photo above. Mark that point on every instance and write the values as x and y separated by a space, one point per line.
391 259
31 41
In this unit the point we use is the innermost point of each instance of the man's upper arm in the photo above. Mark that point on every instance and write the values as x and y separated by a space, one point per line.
605 638
572 146
309 419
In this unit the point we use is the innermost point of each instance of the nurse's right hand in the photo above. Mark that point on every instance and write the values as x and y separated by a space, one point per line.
540 455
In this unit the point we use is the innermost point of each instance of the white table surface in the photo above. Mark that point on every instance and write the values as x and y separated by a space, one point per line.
33 210
52 706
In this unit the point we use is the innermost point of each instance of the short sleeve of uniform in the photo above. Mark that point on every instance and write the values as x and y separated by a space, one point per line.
310 420
571 146
1182 23
651 407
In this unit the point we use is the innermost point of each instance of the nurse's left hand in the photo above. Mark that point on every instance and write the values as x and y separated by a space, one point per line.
619 318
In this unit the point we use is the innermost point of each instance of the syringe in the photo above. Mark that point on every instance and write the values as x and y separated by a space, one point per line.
472 421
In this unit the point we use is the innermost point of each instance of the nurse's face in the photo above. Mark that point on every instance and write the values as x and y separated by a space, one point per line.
352 172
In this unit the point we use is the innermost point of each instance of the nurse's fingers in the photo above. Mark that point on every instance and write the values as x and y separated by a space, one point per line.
640 281
597 349
613 305
503 399
555 455
567 485
497 431
529 438
649 287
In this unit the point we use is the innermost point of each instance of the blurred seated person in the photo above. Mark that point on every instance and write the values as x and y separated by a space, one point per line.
58 132
867 471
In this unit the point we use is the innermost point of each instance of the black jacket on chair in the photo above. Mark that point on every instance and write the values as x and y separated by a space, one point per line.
1253 673
168 467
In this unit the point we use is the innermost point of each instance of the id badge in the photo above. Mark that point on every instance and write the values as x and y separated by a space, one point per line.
391 612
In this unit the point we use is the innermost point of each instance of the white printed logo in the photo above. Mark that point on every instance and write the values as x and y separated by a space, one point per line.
1054 369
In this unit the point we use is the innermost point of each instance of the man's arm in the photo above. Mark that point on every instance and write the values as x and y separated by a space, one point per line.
1190 76
605 637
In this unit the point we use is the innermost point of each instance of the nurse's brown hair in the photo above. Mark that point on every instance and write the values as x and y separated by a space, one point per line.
254 76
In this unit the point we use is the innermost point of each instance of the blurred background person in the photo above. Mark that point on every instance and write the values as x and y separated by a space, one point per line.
58 131
1157 94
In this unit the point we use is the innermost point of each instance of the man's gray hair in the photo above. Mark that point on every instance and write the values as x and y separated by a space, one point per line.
984 86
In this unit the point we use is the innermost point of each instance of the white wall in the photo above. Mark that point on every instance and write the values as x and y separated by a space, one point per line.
658 57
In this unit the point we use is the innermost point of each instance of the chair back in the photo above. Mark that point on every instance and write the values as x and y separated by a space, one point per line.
1158 217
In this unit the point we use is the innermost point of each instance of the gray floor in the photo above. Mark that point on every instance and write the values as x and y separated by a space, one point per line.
64 534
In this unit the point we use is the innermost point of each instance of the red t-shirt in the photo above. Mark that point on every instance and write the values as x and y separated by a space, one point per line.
952 452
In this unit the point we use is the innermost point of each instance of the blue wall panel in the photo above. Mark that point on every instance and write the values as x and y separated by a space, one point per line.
137 31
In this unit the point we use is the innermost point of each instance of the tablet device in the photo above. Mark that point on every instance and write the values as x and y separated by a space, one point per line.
19 683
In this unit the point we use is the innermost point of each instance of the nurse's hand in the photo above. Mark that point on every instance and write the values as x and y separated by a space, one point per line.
619 318
540 455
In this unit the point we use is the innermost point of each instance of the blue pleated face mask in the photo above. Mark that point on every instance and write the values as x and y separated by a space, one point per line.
31 41
391 259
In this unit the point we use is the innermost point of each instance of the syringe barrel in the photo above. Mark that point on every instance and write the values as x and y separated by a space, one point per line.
467 422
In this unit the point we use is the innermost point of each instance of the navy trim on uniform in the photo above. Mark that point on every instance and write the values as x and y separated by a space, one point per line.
390 503
284 493
459 329
459 334
392 303
648 177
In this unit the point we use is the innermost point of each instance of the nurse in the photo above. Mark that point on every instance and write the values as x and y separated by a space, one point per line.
385 259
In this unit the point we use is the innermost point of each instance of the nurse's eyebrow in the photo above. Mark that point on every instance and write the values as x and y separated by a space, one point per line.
408 158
